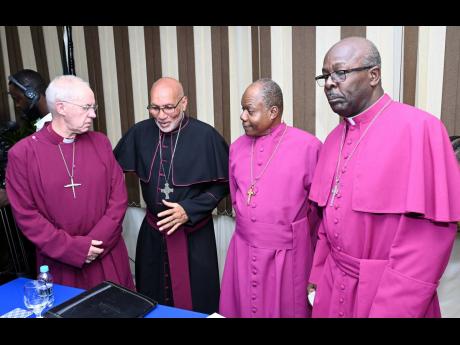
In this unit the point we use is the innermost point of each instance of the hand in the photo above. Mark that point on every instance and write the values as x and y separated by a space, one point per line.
175 217
311 292
94 251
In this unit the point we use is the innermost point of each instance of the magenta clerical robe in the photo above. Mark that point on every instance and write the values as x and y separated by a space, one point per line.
61 226
270 253
386 238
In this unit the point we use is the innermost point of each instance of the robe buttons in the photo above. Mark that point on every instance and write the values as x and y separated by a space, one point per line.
253 219
342 287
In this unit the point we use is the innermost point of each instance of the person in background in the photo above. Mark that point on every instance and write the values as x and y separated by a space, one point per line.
27 90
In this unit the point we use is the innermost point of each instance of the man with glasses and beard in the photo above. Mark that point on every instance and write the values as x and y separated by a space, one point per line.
388 183
182 164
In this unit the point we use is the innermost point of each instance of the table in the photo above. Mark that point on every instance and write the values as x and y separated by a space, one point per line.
11 296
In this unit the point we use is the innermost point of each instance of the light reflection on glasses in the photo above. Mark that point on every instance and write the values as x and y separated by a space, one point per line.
85 107
167 109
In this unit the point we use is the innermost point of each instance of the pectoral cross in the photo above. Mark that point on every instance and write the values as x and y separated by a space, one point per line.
166 190
72 185
334 193
250 193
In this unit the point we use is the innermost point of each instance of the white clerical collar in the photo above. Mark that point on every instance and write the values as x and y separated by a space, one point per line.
350 119
68 140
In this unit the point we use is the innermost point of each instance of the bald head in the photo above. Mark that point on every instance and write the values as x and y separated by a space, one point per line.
167 94
356 50
167 85
352 76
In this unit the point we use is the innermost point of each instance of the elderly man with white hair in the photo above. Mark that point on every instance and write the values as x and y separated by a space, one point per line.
68 194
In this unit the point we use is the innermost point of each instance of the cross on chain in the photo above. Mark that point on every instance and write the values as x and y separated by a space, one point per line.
166 190
72 185
335 191
250 193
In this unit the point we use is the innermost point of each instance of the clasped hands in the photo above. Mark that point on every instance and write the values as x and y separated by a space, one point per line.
175 217
94 251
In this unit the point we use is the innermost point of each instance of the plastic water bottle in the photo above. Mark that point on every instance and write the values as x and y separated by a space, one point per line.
46 277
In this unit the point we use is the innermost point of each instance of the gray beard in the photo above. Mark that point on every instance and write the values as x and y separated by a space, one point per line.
178 123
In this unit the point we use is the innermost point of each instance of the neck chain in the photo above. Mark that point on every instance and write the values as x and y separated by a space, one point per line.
251 192
335 190
71 184
166 190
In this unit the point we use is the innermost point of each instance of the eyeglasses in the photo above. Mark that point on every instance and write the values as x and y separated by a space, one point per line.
167 109
85 107
339 76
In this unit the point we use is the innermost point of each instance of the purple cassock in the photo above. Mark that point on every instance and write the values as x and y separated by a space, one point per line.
386 236
270 253
60 224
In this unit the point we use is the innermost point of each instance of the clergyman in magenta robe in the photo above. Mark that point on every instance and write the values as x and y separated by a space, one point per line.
68 194
270 254
388 184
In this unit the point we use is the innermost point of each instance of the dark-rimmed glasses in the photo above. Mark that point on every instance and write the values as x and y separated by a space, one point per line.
339 76
167 109
85 107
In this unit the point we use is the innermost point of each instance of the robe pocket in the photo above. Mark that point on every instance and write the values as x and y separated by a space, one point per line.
370 274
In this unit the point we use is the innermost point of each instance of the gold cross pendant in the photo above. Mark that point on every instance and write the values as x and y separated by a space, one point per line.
250 193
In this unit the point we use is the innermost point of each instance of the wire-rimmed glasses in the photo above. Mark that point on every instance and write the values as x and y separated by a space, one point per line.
167 109
85 107
339 76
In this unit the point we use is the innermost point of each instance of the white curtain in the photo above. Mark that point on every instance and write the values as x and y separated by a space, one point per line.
449 296
223 227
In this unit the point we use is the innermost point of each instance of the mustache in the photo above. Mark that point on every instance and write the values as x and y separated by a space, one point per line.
332 96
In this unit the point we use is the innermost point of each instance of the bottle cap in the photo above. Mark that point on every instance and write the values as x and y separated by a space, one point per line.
44 269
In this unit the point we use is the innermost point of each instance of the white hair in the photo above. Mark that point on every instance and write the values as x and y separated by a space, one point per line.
64 88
